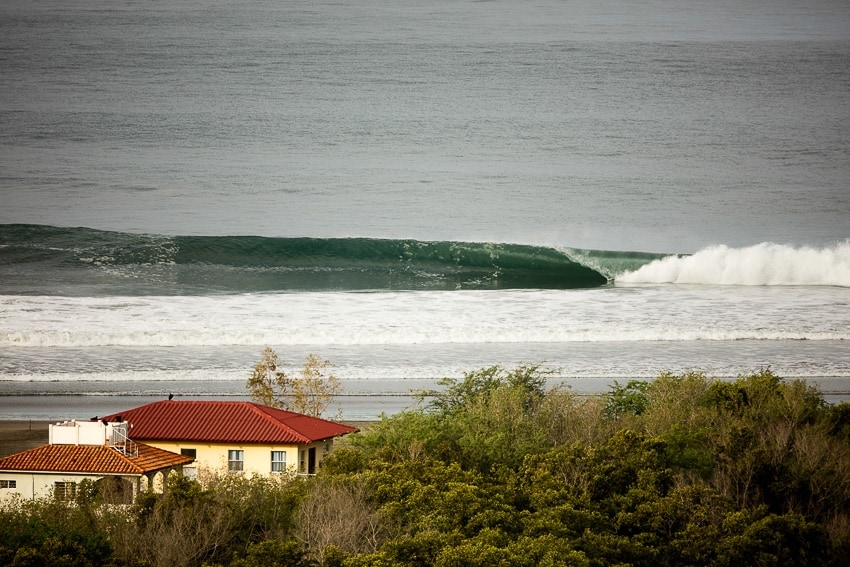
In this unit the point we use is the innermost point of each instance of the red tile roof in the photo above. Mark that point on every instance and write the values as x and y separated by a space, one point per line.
92 459
225 422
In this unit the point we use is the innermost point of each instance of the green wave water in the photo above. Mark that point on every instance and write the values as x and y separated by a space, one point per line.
47 259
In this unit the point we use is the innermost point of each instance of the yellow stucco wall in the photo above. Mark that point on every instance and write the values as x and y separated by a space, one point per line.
257 458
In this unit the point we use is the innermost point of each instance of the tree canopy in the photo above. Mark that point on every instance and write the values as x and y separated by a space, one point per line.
309 393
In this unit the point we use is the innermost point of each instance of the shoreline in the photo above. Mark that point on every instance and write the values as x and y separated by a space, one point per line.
62 407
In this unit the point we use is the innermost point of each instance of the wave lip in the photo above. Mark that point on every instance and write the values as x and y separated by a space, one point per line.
765 264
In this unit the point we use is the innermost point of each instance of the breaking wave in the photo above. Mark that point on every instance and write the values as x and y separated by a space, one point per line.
760 265
47 260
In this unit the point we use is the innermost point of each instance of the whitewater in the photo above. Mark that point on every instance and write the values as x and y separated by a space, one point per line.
763 264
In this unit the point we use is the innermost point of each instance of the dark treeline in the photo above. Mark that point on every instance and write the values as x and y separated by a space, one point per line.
495 469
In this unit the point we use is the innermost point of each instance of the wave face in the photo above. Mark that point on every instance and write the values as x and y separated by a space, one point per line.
763 264
48 260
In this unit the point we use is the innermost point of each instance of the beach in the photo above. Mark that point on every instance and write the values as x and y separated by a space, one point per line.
17 436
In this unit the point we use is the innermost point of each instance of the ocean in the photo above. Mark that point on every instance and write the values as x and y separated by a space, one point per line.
414 190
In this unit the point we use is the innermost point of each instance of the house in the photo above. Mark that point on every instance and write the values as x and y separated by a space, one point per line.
235 436
99 451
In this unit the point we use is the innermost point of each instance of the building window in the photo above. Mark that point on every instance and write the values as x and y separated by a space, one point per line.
235 460
302 461
64 491
190 471
278 461
8 483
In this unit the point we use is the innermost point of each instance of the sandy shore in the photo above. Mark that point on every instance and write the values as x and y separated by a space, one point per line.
17 436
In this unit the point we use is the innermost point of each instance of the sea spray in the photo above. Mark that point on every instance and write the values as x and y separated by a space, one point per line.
763 264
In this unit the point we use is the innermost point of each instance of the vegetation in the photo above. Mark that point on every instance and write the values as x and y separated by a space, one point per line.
310 393
498 469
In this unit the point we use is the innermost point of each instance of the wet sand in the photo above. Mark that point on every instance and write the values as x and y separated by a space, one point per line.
17 436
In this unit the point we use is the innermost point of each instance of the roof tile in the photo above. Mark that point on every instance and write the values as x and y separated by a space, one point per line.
92 459
225 422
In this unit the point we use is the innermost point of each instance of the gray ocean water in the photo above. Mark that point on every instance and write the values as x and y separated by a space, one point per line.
657 126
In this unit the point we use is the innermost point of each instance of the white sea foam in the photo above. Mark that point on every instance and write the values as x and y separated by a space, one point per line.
614 314
762 264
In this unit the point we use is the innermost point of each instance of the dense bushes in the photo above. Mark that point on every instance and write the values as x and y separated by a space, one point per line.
683 470
496 469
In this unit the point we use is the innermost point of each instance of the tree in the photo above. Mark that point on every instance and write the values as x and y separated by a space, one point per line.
184 526
314 390
310 393
338 514
628 400
268 385
491 417
274 553
459 395
50 532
